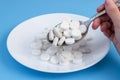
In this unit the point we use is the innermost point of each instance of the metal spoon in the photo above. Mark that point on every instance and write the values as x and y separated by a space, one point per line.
88 22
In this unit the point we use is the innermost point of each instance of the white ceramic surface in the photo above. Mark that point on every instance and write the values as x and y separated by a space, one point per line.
20 38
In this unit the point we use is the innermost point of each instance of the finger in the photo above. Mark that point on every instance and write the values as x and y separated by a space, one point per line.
96 23
119 8
108 33
104 18
99 20
113 11
105 26
100 8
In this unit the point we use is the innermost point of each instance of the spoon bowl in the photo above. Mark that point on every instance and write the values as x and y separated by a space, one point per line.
86 23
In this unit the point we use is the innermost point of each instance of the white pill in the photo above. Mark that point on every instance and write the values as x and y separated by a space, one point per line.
78 38
74 24
77 61
83 28
59 50
66 33
76 33
54 60
67 55
55 41
78 57
52 50
63 60
48 51
61 41
51 35
58 26
57 32
70 41
36 52
77 54
44 57
64 25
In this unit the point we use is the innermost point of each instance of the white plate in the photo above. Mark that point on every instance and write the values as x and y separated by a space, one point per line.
20 38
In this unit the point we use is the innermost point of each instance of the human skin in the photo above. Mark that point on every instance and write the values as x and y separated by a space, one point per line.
109 23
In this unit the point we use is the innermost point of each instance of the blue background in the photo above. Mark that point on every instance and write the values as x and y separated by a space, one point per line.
13 12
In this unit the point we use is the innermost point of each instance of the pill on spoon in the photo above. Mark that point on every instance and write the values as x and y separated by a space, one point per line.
64 25
51 35
83 28
76 33
55 41
74 24
57 32
69 41
61 41
66 33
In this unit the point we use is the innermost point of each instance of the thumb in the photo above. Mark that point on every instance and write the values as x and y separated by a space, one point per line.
113 11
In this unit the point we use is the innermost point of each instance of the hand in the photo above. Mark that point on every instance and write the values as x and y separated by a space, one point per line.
109 23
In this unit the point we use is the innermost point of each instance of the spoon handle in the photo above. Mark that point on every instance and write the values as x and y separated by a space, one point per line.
98 15
104 11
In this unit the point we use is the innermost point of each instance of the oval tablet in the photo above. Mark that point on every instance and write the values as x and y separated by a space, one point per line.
83 28
55 41
64 25
61 41
54 60
75 33
74 24
70 41
44 57
57 32
51 35
66 33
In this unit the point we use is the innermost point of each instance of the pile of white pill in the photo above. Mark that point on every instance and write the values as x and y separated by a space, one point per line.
67 32
60 55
